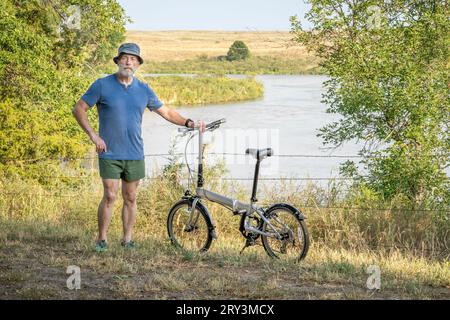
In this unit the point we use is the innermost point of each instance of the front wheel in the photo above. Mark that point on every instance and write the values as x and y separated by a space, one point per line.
189 230
287 236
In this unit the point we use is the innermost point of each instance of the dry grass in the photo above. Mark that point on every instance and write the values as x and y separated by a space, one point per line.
201 52
36 269
40 236
183 45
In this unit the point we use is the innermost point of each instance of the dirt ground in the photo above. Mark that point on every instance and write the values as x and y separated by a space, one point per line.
36 269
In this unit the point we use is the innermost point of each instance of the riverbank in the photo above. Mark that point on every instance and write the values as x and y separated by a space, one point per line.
177 90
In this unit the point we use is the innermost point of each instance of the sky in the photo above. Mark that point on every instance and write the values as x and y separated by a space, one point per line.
229 15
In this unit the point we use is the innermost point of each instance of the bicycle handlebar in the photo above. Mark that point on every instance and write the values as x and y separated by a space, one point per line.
209 127
215 124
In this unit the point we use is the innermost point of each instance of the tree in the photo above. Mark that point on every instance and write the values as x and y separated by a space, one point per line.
387 63
238 51
45 65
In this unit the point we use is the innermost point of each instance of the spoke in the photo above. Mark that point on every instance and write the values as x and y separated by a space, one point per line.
190 230
287 225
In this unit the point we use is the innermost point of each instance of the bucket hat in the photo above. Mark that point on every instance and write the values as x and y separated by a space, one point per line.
129 48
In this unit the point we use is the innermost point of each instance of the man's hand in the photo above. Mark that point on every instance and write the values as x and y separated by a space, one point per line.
200 124
100 145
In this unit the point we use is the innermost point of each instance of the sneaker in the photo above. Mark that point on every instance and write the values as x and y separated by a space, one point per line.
101 246
128 245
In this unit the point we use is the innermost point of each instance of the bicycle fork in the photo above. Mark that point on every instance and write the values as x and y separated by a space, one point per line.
193 217
191 224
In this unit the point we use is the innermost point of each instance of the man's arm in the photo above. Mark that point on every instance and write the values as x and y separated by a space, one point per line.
174 117
79 111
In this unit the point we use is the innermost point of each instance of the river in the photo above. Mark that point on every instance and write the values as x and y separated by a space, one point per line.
287 119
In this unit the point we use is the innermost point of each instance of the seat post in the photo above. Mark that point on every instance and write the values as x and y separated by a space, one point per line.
255 181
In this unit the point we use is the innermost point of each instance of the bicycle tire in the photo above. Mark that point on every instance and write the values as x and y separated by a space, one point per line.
297 251
193 237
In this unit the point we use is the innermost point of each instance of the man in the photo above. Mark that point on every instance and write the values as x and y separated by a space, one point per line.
121 100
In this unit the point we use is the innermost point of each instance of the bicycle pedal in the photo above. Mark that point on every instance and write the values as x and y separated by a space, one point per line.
248 243
242 250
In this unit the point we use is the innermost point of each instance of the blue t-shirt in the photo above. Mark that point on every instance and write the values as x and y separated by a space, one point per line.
120 111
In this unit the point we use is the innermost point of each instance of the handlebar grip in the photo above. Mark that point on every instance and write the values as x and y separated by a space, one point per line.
215 123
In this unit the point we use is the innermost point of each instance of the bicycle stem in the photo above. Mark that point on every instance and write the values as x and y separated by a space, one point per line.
200 160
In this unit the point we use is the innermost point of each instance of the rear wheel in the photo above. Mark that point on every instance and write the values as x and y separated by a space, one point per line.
189 230
291 240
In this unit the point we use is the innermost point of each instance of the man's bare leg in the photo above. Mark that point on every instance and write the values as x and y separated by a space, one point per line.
129 210
105 209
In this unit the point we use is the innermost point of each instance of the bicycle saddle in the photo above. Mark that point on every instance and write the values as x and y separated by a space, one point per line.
260 154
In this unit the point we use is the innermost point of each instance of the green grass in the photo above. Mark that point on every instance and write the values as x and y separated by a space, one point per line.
253 65
176 90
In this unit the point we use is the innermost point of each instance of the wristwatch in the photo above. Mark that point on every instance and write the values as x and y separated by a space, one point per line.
186 124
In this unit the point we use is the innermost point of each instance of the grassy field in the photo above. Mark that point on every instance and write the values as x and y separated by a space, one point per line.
185 45
197 52
35 257
175 91
42 232
250 66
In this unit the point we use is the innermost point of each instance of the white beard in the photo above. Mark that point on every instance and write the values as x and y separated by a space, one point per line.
126 72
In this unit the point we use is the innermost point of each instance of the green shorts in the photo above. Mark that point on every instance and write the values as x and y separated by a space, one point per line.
128 170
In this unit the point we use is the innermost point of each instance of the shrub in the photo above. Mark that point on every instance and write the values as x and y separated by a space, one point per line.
238 51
